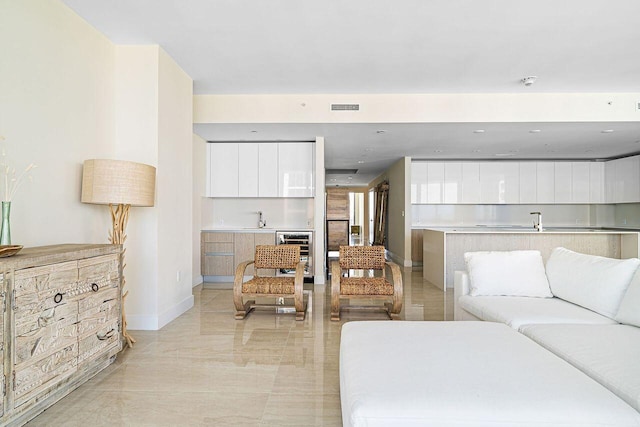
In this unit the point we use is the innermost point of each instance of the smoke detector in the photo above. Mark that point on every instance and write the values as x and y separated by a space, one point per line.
528 81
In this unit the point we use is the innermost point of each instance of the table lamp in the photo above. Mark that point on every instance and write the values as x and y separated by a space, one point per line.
119 184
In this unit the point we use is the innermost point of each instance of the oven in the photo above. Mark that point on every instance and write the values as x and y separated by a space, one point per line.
304 239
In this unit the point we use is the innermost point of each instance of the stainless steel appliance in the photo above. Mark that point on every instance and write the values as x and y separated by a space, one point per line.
304 239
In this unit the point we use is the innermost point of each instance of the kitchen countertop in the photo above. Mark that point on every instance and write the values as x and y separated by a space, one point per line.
253 230
516 229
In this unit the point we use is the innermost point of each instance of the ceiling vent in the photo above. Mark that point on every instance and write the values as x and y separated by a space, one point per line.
345 107
341 171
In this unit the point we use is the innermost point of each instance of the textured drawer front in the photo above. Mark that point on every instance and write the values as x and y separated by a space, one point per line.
217 237
36 378
38 336
101 271
98 309
105 340
218 248
48 279
218 265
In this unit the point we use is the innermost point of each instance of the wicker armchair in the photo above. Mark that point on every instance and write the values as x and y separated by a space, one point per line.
270 256
377 287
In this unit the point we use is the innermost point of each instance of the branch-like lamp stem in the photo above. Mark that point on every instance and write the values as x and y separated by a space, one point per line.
119 219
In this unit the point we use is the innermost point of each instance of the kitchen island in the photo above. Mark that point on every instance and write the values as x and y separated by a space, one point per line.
444 248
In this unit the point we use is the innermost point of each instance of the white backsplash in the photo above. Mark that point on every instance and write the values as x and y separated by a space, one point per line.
279 213
517 215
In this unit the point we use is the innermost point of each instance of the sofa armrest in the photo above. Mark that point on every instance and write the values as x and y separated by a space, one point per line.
460 288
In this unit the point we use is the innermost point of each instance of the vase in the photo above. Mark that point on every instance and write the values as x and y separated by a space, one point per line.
5 234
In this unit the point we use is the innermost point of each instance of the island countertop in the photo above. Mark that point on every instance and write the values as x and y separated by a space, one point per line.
518 229
443 248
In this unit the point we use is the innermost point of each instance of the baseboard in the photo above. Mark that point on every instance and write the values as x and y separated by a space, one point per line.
154 323
398 260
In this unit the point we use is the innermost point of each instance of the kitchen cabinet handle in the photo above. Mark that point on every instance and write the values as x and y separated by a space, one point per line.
57 298
106 336
95 287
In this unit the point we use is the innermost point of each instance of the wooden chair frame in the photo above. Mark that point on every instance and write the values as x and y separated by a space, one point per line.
392 307
245 307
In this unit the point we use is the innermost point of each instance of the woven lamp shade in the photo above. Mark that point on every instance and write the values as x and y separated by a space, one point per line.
118 182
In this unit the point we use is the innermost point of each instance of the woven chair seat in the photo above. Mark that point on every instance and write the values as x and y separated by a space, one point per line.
269 285
365 286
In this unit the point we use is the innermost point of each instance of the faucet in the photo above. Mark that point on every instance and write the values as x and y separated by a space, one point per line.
262 223
537 226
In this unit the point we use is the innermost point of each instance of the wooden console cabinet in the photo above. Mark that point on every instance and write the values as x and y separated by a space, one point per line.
61 324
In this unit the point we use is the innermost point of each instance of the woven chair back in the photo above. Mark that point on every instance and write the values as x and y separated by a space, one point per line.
277 256
362 257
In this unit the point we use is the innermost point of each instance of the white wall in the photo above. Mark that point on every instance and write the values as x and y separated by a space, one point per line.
56 110
174 185
199 187
68 94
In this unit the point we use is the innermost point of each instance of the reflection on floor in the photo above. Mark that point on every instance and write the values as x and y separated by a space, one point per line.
205 368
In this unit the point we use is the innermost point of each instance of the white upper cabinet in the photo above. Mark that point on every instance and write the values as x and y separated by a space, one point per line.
545 182
528 182
223 170
499 182
418 182
295 169
471 182
622 180
248 169
435 182
452 188
257 169
596 182
268 169
562 186
581 182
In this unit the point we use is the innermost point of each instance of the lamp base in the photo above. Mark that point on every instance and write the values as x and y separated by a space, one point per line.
117 236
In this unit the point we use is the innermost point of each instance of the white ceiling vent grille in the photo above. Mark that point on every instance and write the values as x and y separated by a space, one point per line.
345 107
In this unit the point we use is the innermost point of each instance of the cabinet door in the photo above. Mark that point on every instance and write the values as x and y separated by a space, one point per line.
562 185
580 182
471 182
528 182
223 164
418 182
596 182
452 187
499 182
248 169
435 182
613 193
217 254
268 169
295 169
629 170
545 182
244 249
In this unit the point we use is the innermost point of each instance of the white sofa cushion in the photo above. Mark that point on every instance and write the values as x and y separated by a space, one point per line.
509 273
629 311
518 311
607 353
594 282
464 374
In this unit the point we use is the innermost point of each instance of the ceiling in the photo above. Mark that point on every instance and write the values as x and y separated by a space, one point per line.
401 47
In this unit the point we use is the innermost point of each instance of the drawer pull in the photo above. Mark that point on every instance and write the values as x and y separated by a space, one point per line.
106 336
57 298
95 287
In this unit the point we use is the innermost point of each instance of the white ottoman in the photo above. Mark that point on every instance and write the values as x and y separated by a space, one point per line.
465 374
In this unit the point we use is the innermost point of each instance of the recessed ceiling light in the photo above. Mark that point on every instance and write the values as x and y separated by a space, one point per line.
437 151
254 131
607 131
380 131
360 161
477 151
478 131
349 177
504 154
333 180
368 149
535 131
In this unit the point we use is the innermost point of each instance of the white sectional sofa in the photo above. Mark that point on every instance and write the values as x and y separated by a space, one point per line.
583 308
550 346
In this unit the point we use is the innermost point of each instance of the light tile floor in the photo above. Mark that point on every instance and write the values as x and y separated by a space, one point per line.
206 368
